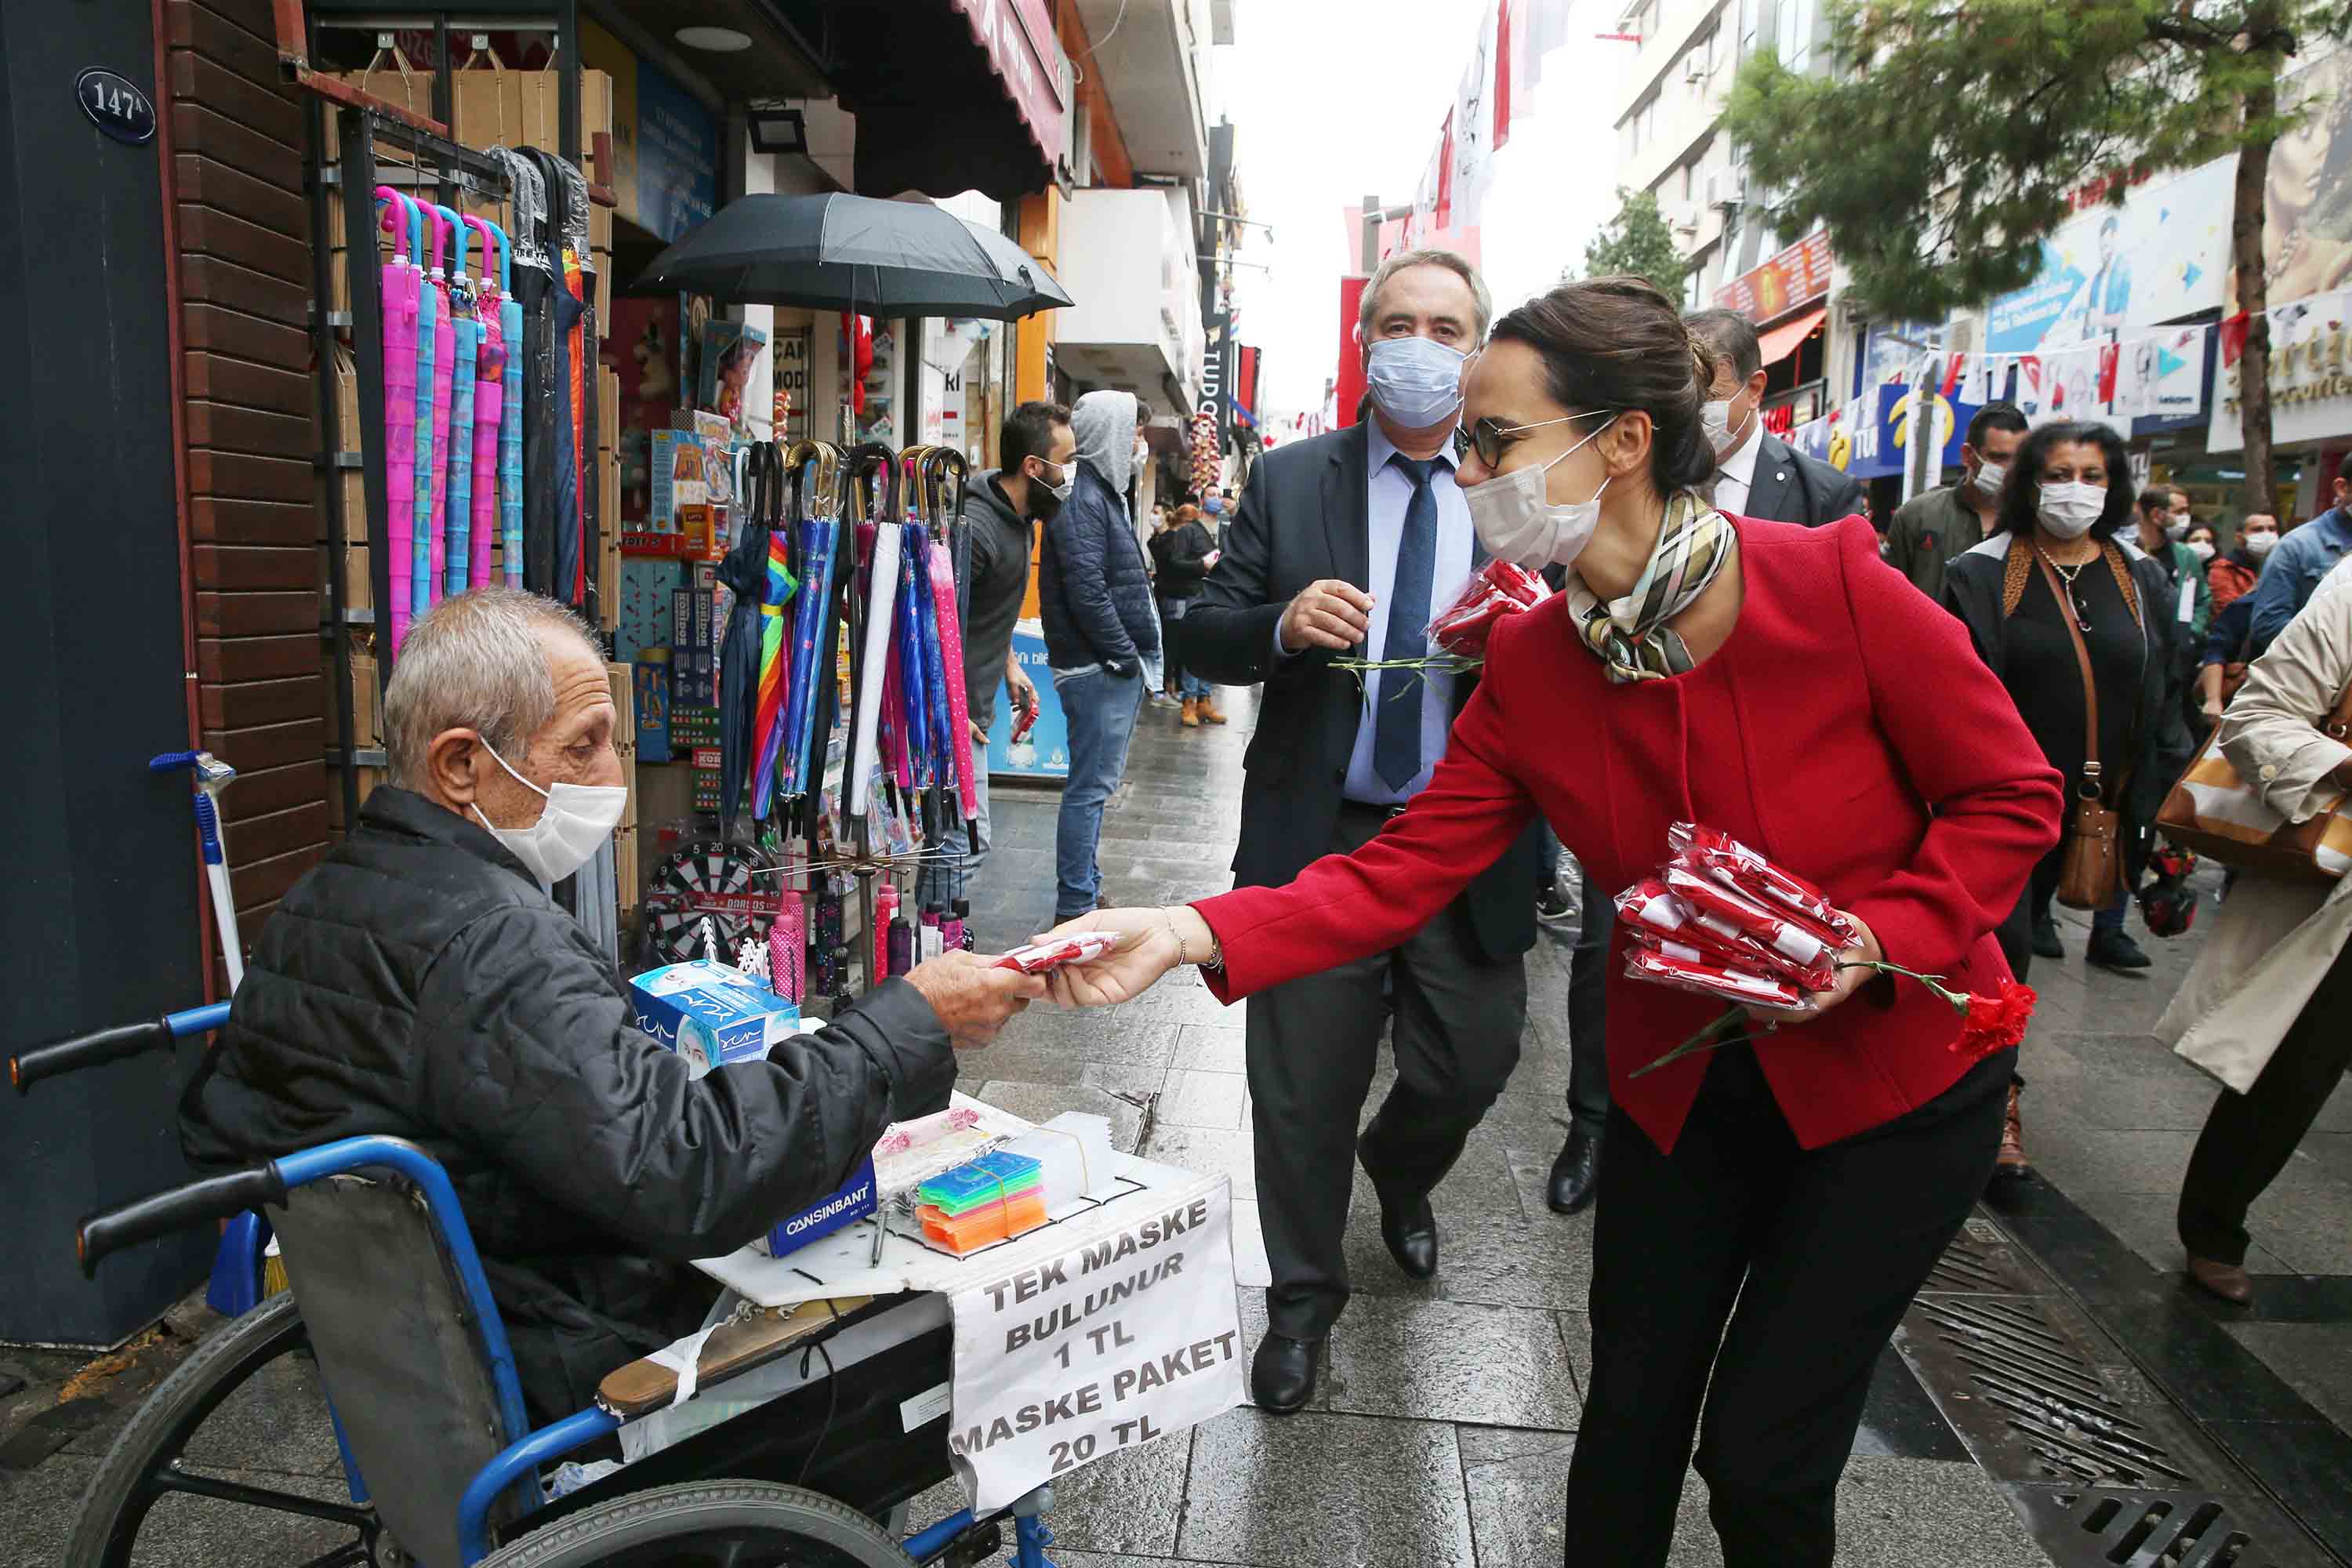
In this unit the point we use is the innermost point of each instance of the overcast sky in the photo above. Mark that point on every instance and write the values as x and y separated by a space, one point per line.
1335 99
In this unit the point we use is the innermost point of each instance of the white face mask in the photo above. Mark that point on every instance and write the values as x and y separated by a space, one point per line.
1716 418
1518 523
2259 545
1989 476
1417 381
577 820
2176 529
2068 510
2201 548
1060 492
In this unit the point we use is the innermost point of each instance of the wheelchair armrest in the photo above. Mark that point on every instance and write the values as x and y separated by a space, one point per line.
646 1385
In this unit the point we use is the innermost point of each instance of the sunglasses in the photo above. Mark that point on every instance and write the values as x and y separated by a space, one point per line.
1491 440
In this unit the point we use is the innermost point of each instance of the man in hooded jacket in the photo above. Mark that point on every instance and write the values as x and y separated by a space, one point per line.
1095 597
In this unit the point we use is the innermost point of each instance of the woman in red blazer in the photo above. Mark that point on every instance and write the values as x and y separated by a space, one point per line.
1768 1209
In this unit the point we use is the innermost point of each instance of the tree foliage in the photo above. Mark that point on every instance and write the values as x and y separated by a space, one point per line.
1638 241
1950 136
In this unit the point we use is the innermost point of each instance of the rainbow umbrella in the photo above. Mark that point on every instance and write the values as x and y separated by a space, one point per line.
402 278
489 407
768 717
426 591
464 366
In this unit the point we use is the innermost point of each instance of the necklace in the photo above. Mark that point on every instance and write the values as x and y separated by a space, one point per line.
2067 574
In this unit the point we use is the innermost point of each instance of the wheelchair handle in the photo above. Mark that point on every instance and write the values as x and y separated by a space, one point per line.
29 1068
144 1219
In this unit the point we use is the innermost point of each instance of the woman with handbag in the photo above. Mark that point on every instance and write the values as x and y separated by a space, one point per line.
2265 1007
2076 623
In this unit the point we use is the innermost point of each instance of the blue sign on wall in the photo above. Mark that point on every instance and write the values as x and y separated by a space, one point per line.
1045 752
678 155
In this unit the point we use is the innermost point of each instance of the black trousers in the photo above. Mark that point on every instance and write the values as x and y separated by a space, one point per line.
1312 1045
1762 1281
2250 1137
1587 1011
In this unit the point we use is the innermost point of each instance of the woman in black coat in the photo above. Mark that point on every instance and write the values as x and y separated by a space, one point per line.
1185 552
2069 492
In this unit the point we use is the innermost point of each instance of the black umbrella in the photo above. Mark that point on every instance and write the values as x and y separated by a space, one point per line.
839 252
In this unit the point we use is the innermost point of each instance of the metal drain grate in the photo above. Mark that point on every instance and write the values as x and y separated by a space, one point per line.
1981 1259
2144 1529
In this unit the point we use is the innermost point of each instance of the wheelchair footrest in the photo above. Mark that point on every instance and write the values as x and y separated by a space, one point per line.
646 1385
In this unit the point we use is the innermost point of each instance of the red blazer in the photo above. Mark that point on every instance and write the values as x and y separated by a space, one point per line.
1846 729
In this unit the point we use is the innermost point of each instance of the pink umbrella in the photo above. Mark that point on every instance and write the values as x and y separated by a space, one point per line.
489 404
444 364
402 281
463 307
413 571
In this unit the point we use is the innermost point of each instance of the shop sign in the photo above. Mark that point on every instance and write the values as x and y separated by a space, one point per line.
678 155
1869 437
1018 37
1131 1333
1787 410
792 349
1797 277
2159 256
2310 377
116 106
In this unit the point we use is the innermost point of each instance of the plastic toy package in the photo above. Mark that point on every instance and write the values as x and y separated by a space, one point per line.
1724 858
1497 589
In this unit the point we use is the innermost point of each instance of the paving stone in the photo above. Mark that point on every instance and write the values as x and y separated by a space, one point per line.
1211 1048
1488 1255
2090 1160
2310 1230
1136 1082
1191 1098
1207 1150
1129 1502
2145 1223
2315 1359
1447 1361
1893 1514
1315 1490
1517 1487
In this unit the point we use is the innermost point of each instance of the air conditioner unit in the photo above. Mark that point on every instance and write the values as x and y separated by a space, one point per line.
1694 68
1728 188
1686 218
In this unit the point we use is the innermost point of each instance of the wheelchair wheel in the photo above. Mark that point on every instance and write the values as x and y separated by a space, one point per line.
709 1524
194 1445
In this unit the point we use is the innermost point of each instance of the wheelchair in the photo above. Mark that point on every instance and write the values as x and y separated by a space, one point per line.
390 1299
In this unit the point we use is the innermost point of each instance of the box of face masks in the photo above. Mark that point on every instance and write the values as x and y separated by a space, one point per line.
845 1205
711 1013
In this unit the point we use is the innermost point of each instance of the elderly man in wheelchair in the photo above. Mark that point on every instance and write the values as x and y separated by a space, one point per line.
420 986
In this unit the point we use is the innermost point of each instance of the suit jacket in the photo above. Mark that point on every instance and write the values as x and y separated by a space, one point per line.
1304 516
1790 487
1805 736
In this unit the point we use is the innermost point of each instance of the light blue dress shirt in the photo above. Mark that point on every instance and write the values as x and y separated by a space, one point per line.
1388 492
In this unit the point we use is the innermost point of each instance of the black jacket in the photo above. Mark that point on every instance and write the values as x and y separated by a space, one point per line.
1093 593
997 578
1789 487
1303 517
1179 552
419 982
1973 585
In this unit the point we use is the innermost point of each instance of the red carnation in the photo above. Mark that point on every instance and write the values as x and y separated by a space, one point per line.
1995 1023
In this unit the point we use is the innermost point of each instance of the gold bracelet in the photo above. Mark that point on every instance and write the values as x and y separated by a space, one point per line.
1182 956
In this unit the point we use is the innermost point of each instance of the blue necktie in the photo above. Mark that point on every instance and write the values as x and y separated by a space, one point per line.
1396 730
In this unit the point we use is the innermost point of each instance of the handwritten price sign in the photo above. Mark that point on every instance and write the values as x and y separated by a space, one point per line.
1127 1335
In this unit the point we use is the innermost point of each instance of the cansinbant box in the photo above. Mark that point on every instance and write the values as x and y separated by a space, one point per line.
711 1013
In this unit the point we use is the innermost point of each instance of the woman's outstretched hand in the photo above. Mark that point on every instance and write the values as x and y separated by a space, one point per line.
1150 943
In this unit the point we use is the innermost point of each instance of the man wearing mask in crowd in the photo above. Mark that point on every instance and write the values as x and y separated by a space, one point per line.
1102 635
2304 556
2191 606
1929 530
1345 544
2233 576
1040 470
1756 473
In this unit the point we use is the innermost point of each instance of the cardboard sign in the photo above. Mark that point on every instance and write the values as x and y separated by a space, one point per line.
1129 1332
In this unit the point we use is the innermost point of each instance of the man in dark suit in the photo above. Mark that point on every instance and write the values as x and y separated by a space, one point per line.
1756 474
1345 544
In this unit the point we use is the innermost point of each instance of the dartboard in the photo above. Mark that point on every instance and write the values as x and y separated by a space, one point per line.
708 878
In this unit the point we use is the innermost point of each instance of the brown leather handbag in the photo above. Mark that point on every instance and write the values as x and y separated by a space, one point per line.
2214 811
2092 868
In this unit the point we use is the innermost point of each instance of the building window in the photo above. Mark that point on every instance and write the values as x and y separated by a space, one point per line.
1749 10
1690 173
1795 43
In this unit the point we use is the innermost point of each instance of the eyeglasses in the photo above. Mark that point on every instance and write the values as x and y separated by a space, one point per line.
1491 440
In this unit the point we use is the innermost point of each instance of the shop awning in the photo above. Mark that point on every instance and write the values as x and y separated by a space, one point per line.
1778 343
958 95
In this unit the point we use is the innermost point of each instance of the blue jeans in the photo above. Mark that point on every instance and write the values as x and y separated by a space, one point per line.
1099 708
1187 683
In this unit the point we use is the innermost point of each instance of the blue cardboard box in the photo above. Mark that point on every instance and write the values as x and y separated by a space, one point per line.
845 1205
711 1013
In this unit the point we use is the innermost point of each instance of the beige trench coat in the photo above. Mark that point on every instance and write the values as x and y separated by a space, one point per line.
2275 939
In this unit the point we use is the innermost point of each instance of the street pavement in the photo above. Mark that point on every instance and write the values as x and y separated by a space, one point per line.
1441 1430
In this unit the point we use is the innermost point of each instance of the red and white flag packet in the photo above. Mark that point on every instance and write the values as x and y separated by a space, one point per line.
1654 906
1497 589
1076 948
1689 968
1726 860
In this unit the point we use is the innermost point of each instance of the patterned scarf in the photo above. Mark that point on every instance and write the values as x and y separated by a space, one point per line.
1630 634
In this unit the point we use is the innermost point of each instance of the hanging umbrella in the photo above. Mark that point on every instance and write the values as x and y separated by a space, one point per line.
465 364
433 463
414 571
746 571
402 278
490 406
844 252
941 515
881 599
806 468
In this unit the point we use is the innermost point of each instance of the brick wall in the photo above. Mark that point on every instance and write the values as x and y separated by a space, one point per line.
237 136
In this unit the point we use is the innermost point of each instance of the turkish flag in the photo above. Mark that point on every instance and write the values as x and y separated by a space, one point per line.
2233 338
1442 216
1502 73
